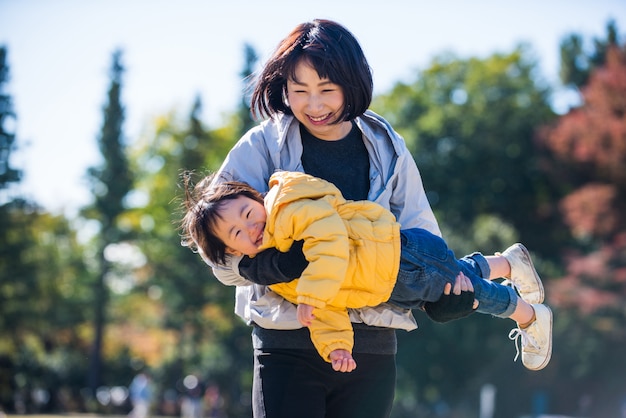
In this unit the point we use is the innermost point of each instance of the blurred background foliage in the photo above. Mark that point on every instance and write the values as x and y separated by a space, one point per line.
87 303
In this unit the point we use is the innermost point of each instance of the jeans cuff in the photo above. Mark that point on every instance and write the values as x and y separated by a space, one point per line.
483 265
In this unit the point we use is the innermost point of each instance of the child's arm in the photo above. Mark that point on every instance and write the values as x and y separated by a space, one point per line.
331 330
271 266
340 359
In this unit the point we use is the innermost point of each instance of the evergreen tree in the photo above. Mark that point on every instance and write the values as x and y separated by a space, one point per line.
42 292
7 138
196 138
110 183
244 113
577 62
209 339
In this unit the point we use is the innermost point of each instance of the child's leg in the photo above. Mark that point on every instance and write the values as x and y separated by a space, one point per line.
494 298
523 313
427 265
499 267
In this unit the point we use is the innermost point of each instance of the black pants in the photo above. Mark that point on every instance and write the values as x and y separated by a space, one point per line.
298 383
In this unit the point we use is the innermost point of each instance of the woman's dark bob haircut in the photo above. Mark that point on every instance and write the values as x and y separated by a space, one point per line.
333 52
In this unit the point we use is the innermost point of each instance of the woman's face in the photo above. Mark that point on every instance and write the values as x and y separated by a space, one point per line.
316 102
241 226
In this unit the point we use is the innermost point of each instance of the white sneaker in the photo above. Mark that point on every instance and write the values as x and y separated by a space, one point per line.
524 277
536 340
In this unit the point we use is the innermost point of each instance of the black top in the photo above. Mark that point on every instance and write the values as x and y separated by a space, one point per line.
344 162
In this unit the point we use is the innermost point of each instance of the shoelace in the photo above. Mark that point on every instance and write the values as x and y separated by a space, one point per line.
520 336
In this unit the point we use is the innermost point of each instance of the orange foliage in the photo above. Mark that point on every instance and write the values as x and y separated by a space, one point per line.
590 210
152 345
594 281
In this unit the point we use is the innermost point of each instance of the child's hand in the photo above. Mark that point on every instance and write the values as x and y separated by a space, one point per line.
342 361
305 314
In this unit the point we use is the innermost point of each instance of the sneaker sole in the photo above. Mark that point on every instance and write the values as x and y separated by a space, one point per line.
537 278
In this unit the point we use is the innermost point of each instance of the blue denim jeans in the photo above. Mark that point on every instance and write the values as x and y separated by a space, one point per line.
427 264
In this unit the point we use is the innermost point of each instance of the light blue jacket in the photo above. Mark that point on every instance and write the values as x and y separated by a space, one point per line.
395 183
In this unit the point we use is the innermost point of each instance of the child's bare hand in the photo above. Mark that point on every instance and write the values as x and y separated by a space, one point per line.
305 314
342 361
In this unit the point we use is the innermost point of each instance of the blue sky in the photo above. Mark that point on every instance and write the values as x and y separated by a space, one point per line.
59 52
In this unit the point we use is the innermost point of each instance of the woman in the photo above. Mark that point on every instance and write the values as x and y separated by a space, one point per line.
316 89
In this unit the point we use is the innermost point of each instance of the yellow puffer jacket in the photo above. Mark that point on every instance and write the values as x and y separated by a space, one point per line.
353 249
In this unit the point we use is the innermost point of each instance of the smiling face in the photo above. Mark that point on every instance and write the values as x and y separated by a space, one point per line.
240 225
317 103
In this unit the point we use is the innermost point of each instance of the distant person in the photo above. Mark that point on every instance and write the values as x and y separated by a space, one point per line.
214 402
140 395
357 257
193 391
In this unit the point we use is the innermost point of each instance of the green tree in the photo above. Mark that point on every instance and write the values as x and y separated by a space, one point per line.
210 341
492 171
44 297
42 289
243 112
110 184
577 62
470 126
7 137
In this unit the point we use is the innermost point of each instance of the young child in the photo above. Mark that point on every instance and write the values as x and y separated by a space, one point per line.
357 257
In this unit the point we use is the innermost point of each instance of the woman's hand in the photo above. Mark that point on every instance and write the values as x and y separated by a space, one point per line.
461 284
456 305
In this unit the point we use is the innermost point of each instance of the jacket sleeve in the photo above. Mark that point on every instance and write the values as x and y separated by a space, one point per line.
404 193
331 330
250 161
228 273
408 199
326 247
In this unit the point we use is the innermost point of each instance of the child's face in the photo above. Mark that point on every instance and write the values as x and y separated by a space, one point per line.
241 228
316 102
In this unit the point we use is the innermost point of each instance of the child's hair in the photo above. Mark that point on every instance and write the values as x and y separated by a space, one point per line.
333 52
203 205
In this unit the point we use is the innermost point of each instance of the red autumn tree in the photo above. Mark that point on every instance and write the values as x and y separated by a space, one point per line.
588 147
